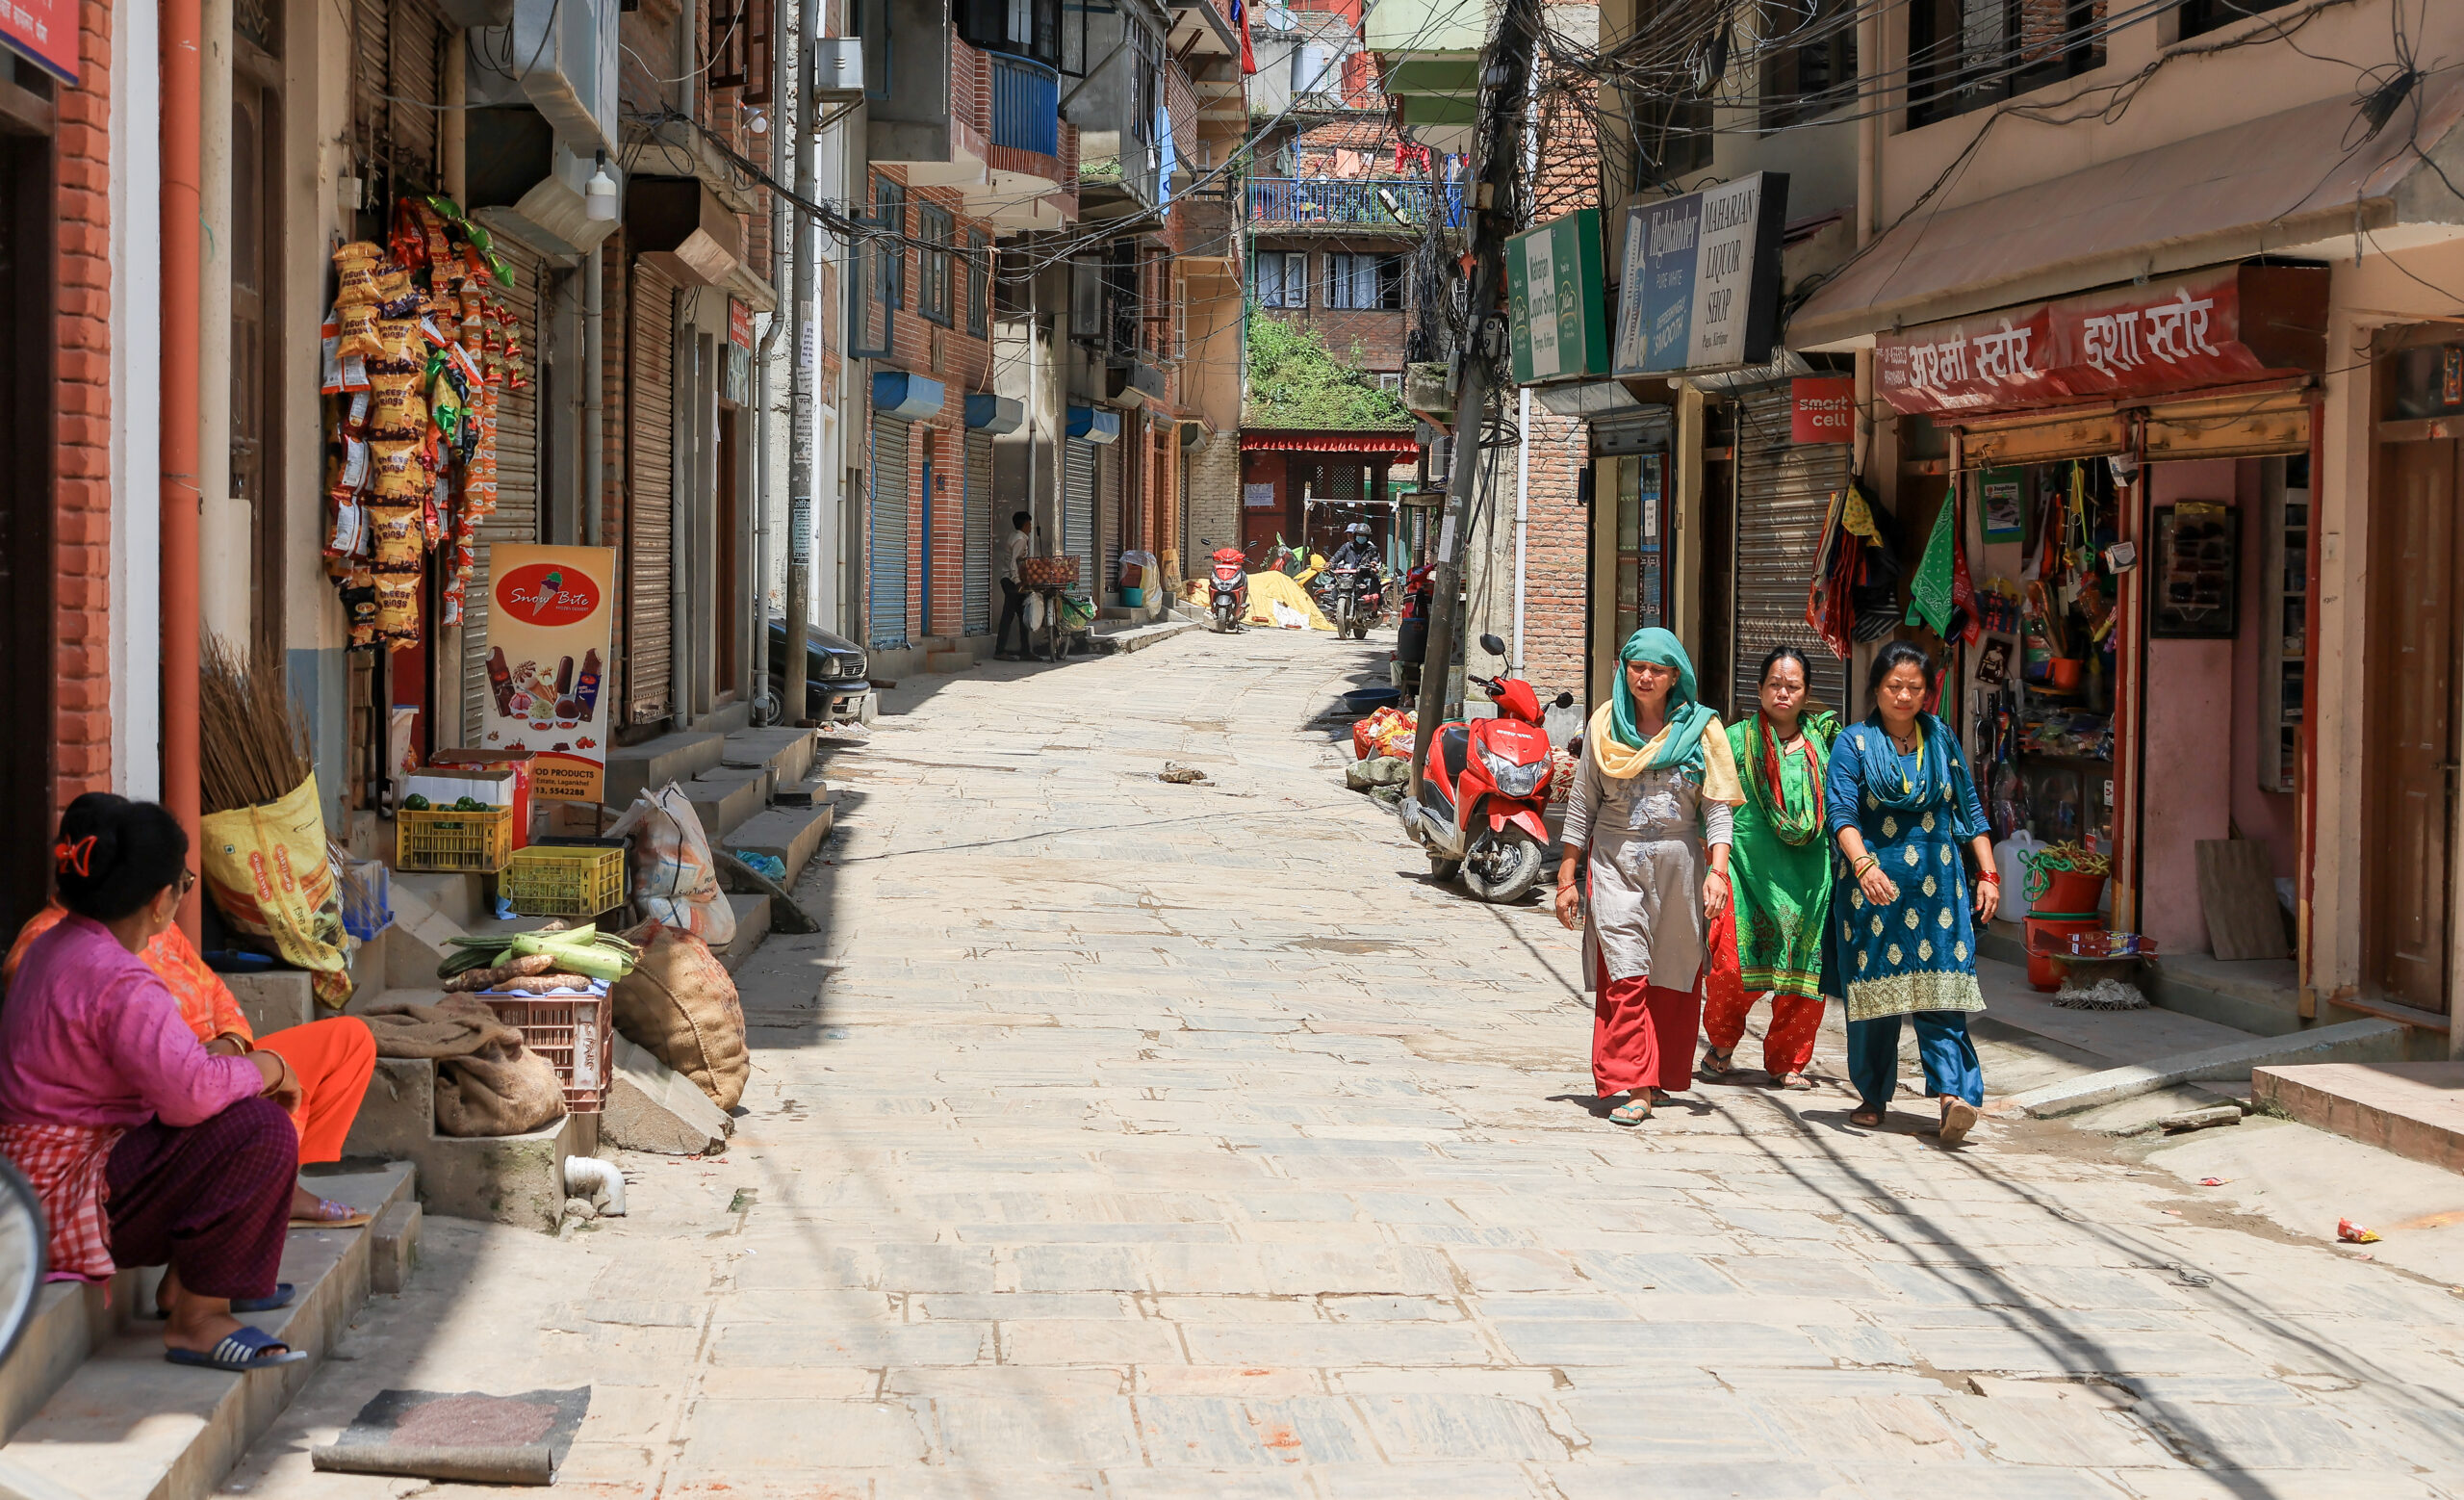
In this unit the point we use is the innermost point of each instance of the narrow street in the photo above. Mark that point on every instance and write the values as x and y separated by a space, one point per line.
1135 1139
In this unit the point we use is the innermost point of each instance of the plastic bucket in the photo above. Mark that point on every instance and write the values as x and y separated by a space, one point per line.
2048 933
2069 891
1133 598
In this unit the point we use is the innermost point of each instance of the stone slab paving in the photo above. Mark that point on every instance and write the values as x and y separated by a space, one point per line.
1126 1139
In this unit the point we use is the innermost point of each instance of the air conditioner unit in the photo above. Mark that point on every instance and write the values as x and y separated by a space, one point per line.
559 56
838 69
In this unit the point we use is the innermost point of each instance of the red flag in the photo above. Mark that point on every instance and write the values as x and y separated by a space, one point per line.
1240 18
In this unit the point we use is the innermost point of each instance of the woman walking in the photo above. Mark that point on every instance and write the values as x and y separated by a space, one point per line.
1900 940
1778 878
1650 815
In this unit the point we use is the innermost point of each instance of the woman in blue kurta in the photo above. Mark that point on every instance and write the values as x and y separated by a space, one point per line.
1900 939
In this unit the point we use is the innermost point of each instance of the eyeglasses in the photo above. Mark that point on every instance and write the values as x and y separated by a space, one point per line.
187 883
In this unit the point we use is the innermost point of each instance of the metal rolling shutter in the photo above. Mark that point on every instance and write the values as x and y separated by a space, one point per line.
649 530
1078 507
398 49
1111 501
517 517
1783 492
977 593
885 558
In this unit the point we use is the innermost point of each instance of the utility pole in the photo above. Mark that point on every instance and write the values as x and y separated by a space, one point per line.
1506 81
806 370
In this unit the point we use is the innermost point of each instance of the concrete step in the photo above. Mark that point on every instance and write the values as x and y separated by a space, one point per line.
653 763
70 1321
791 833
275 1000
125 1424
1138 638
2412 1109
786 753
725 797
948 660
456 898
752 928
516 1179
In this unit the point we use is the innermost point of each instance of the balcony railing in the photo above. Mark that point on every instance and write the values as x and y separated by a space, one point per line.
1026 103
1354 200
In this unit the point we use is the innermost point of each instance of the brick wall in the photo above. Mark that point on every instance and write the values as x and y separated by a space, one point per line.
1214 498
81 730
1556 548
1379 332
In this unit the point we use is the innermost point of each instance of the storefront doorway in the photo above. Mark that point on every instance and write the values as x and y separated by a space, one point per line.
27 576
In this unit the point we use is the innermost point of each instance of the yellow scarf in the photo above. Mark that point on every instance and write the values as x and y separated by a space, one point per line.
1720 783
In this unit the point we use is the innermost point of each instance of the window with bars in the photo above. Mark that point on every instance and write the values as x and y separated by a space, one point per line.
1965 55
1672 119
740 54
1282 280
1362 281
2198 17
979 284
889 249
935 228
1808 59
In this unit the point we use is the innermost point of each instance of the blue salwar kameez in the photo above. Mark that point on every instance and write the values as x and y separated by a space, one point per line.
1916 956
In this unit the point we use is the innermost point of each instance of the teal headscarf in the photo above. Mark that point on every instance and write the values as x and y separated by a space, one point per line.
1688 718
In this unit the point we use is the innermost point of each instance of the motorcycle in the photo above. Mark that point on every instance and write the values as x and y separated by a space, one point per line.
1482 793
1228 590
1339 596
1411 632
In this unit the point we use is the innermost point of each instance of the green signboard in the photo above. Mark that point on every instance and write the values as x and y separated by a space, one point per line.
1560 311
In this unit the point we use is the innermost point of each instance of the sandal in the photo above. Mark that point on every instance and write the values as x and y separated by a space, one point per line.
1633 1112
1794 1082
1958 1118
248 1349
1718 1064
331 1214
1868 1119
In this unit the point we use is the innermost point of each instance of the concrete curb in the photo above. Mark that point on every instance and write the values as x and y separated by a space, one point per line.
1138 638
2352 1040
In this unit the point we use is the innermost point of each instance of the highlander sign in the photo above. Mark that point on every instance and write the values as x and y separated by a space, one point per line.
2216 327
1700 283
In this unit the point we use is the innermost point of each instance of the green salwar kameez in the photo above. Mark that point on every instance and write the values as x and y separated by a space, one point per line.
1780 863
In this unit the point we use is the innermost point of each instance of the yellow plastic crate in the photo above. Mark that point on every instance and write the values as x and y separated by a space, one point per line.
452 840
565 880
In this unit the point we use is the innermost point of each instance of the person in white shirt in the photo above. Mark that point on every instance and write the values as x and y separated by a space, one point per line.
1014 592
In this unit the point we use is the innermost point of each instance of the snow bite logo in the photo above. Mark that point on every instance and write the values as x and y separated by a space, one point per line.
548 593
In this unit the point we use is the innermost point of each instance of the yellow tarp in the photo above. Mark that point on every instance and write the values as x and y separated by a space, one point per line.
1265 588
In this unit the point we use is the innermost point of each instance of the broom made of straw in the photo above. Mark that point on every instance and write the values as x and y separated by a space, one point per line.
254 742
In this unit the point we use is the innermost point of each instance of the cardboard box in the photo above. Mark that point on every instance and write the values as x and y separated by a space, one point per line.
514 764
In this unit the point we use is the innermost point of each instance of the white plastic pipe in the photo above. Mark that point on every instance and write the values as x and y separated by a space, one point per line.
1522 519
586 1177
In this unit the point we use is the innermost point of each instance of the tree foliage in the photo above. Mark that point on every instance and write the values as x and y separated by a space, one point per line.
1295 381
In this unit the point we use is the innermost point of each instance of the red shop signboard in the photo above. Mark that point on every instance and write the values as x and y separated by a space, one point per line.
1822 409
2214 327
45 32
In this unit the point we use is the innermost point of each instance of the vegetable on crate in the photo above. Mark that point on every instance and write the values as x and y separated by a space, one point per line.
582 951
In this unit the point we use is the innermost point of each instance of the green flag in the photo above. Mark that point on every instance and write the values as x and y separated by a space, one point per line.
1929 592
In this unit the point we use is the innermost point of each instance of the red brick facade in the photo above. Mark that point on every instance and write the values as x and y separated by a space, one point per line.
1555 554
1380 333
82 556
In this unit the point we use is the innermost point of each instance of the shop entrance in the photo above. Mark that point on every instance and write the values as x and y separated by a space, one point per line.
729 565
27 576
2410 770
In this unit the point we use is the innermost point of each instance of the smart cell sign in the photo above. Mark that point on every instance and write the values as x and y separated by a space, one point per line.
549 635
1557 301
1698 286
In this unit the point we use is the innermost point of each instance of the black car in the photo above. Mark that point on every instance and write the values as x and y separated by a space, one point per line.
834 669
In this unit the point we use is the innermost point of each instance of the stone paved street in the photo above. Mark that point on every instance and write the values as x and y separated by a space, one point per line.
1133 1139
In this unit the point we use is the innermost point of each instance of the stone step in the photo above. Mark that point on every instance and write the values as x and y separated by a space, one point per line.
125 1424
456 898
948 660
516 1179
678 757
786 753
2412 1109
791 833
275 1000
725 797
752 928
1138 638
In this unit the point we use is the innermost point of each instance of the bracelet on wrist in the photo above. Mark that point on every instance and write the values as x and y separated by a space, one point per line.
1988 879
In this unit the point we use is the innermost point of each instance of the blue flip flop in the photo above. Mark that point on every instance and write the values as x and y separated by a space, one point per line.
283 1295
248 1349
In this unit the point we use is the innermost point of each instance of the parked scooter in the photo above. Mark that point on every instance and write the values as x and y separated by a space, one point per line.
1229 588
1478 811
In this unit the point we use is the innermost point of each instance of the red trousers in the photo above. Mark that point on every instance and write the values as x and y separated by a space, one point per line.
1795 1019
1642 1036
333 1058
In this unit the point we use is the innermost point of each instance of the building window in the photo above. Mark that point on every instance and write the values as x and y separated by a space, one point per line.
1365 281
935 229
1022 28
979 276
1808 59
890 251
1391 380
2200 17
1283 280
1673 122
869 21
1967 54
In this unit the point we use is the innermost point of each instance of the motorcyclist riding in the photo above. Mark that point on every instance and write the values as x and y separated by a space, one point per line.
1357 549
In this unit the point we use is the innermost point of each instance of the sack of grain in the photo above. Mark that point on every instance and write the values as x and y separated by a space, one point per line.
679 1005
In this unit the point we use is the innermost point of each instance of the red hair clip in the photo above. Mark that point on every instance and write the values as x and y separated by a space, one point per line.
75 857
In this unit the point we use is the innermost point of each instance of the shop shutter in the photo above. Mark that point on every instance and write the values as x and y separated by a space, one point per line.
978 587
397 62
1113 504
649 508
1078 505
517 517
885 558
1783 493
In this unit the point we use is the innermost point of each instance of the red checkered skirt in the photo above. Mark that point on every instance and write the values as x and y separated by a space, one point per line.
65 1164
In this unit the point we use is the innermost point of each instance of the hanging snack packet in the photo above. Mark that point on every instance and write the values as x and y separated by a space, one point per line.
355 270
400 476
400 340
350 528
360 338
397 540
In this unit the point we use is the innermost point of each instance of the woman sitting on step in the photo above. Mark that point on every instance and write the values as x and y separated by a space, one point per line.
143 1145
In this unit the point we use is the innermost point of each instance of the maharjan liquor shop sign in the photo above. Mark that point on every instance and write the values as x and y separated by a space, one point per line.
1699 285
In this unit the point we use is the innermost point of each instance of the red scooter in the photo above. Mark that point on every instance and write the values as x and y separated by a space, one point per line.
1478 811
1228 590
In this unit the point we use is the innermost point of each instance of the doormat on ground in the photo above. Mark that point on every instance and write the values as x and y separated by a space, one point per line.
465 1436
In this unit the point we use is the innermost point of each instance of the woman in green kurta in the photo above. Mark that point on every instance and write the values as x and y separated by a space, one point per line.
1781 874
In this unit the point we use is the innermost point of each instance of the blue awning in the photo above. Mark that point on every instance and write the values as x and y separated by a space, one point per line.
898 393
998 415
1093 425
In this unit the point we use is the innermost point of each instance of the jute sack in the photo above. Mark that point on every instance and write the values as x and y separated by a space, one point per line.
679 1005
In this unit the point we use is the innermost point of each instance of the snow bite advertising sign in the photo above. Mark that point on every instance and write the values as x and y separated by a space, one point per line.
2213 328
45 32
551 625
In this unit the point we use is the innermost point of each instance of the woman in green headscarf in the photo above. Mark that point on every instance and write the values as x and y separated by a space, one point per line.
1650 816
1779 871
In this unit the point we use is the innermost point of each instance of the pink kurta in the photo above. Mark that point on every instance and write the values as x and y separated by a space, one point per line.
91 1038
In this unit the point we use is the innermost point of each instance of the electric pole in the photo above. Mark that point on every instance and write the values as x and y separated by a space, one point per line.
1506 78
806 370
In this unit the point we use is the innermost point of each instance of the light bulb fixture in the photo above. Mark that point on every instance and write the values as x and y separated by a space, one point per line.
598 194
756 121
